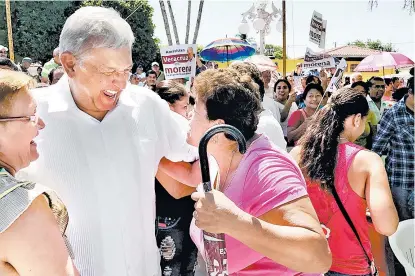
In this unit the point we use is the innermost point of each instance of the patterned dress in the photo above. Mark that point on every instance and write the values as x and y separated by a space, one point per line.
16 196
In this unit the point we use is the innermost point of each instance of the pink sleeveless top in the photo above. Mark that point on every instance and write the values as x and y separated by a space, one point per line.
348 256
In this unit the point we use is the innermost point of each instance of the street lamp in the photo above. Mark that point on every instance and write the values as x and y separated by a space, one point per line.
261 20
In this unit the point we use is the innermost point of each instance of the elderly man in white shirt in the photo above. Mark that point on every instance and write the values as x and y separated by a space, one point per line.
102 145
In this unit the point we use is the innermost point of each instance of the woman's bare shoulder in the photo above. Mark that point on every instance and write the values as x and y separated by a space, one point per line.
296 153
367 160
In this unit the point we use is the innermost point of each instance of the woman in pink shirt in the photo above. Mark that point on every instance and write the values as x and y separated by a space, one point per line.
260 201
343 180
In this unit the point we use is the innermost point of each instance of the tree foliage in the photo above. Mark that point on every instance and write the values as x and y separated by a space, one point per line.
37 26
374 44
273 50
145 48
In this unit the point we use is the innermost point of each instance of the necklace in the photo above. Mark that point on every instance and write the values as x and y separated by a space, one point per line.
225 184
344 139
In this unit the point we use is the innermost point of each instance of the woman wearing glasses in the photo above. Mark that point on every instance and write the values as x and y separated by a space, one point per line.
32 219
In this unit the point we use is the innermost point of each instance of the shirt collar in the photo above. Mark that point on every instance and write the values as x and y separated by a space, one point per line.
61 98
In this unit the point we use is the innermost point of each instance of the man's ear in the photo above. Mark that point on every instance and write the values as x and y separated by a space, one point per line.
68 62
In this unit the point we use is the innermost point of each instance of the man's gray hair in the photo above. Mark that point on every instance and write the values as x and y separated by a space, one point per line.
94 27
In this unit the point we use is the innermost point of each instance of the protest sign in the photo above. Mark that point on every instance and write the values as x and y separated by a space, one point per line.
337 77
298 88
317 33
314 60
179 61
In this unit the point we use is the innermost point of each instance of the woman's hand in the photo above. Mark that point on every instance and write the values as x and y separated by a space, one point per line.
292 96
214 212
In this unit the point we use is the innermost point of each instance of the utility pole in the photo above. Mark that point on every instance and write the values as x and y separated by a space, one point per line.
284 40
9 30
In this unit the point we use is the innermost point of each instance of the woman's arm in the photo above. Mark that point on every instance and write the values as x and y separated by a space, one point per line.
33 244
286 110
290 234
295 132
182 172
378 193
175 188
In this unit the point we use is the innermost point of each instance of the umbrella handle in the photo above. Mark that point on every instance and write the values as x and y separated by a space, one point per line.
204 164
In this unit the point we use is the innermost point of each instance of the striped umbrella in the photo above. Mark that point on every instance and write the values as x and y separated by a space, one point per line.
227 49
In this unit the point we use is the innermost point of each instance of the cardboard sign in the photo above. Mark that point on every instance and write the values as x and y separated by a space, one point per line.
317 33
314 60
337 77
179 61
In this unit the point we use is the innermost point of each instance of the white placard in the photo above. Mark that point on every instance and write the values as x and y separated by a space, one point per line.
317 33
179 61
314 60
337 77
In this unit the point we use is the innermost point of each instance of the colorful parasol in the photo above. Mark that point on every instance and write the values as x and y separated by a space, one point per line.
227 49
383 60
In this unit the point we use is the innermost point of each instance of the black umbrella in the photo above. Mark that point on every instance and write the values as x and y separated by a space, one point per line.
215 247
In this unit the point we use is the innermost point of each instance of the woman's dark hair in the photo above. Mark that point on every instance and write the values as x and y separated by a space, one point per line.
170 91
388 81
320 141
8 63
151 72
362 84
312 86
192 101
238 106
52 72
285 81
410 85
400 93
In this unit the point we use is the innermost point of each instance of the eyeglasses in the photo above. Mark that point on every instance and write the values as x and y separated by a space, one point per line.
379 86
34 119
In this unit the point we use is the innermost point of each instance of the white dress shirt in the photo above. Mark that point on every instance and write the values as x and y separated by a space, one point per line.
104 173
269 126
269 104
284 124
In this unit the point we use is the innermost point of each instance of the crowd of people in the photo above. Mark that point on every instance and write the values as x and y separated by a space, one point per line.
99 169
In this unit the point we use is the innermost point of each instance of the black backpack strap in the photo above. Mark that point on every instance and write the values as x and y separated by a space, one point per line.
349 221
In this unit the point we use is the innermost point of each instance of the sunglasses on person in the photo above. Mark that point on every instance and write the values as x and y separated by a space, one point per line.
379 86
34 119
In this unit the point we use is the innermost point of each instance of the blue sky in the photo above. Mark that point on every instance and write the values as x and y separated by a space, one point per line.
346 21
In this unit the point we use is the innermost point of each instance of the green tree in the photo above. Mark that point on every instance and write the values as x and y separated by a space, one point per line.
374 44
139 15
36 27
38 24
273 50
